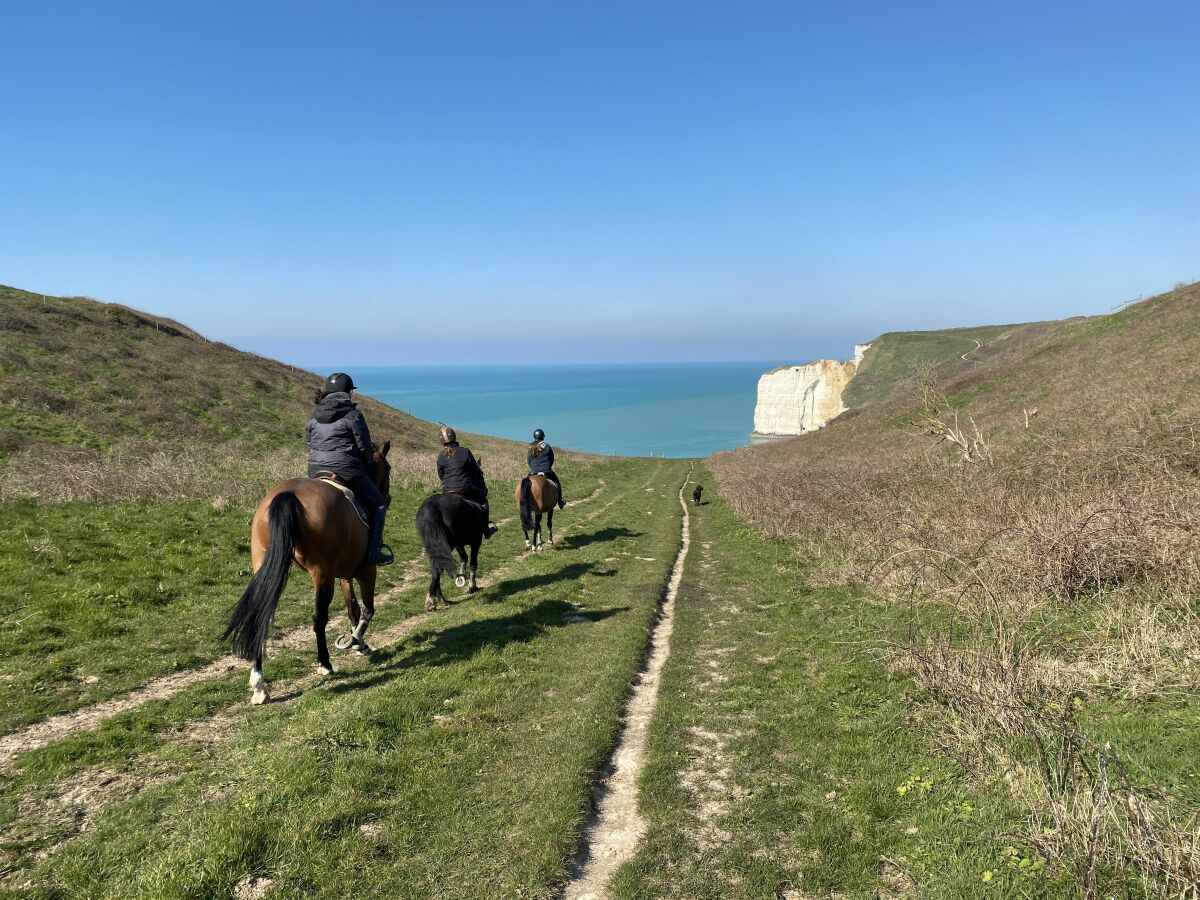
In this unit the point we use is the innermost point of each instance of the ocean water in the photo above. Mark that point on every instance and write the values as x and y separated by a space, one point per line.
673 410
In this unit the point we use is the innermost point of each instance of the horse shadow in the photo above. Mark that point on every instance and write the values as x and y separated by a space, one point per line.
611 533
501 592
461 642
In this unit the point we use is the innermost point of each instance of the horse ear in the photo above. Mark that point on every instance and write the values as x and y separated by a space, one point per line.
387 445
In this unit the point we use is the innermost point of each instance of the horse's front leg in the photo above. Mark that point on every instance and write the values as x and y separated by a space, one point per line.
461 578
473 585
324 596
550 525
258 684
366 581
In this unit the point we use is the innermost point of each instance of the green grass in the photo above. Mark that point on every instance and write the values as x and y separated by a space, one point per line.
824 784
895 356
457 762
101 598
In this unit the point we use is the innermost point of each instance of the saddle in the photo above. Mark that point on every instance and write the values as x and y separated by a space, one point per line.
548 478
333 479
474 503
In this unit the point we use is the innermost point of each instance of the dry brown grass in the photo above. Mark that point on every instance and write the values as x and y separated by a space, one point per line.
1058 555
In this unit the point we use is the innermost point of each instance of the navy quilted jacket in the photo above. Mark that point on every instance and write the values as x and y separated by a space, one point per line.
337 435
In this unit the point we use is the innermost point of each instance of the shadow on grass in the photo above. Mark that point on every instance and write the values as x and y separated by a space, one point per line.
505 589
461 642
611 533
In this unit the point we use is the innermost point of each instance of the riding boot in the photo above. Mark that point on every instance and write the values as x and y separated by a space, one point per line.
562 501
490 528
379 553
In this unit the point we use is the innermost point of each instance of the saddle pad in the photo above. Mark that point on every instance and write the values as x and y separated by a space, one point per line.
349 495
548 478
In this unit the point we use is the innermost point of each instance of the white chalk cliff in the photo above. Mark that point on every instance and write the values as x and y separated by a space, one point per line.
796 399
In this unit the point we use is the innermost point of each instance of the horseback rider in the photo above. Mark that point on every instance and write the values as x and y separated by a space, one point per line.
541 462
460 474
339 442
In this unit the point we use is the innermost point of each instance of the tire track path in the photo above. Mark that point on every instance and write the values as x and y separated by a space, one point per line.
615 829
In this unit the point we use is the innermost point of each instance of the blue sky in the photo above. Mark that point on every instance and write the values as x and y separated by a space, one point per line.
404 183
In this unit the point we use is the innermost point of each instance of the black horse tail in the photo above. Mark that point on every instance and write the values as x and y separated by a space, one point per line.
251 618
433 535
527 503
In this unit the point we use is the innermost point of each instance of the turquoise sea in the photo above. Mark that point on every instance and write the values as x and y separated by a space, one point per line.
671 409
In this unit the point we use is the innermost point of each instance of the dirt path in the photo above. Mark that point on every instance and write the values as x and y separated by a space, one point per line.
616 827
56 728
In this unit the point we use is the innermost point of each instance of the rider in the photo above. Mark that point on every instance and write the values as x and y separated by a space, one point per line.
460 474
541 462
339 442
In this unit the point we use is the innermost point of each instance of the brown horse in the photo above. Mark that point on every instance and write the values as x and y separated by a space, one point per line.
309 523
537 494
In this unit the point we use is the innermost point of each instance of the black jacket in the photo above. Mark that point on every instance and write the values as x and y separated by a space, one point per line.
459 471
543 462
337 437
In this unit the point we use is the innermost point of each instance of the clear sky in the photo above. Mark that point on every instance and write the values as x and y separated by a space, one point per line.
556 181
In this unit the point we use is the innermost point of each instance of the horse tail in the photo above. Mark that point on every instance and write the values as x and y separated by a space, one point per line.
527 503
433 535
251 618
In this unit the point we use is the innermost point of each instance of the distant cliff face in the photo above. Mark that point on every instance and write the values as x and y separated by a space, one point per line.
796 399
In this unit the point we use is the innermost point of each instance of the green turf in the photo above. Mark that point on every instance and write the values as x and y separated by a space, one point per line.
784 757
457 762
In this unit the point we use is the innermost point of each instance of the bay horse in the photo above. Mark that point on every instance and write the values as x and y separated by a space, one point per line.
309 523
448 522
537 494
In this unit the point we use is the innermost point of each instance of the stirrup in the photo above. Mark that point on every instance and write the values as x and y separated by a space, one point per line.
382 555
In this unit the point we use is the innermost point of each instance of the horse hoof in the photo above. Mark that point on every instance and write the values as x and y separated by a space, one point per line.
460 581
345 642
259 698
473 589
430 604
362 648
324 670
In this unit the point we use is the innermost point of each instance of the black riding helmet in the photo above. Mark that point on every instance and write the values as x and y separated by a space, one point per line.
338 382
539 435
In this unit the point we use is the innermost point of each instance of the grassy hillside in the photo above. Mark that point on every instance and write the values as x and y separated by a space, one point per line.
99 401
1037 514
894 357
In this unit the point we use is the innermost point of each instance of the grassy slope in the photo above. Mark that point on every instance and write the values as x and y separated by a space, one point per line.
1108 468
111 386
454 763
895 356
782 760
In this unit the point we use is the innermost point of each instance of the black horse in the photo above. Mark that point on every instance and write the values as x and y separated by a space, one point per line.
448 522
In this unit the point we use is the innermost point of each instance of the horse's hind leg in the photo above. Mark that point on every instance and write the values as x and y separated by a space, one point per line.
434 594
550 525
537 532
320 619
473 586
258 684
